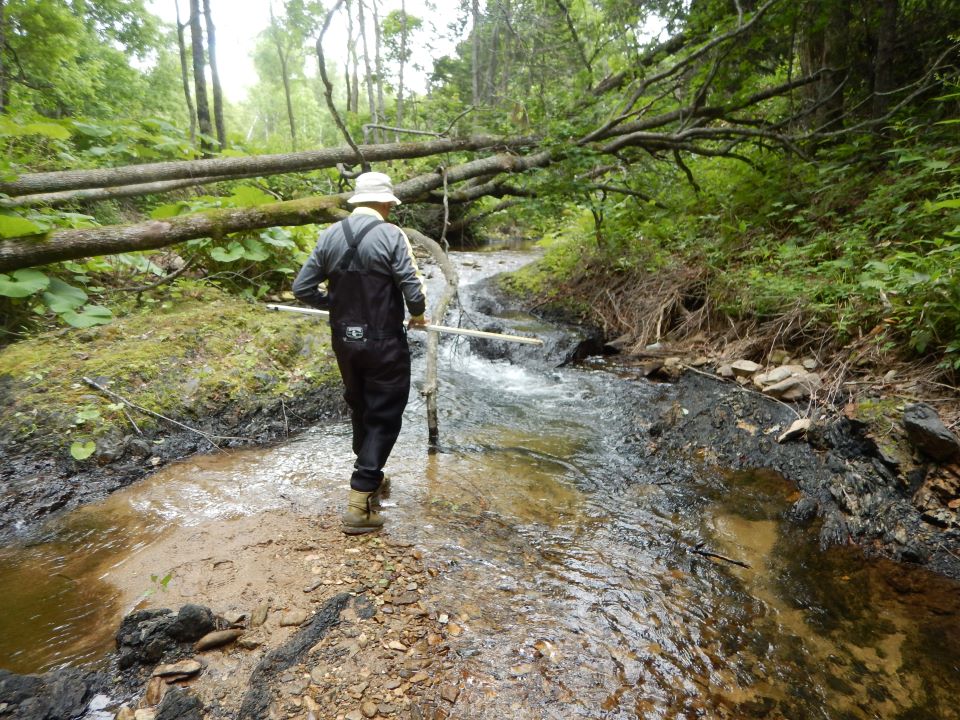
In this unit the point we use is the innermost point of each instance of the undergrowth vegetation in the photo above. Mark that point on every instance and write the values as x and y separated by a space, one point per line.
861 243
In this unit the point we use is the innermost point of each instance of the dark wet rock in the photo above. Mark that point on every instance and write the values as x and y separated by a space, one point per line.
147 637
192 623
928 433
179 704
804 511
57 695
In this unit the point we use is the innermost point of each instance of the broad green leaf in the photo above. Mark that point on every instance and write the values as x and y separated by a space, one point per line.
62 298
278 237
88 317
23 283
50 130
165 211
247 196
16 226
942 205
254 250
81 451
235 251
95 131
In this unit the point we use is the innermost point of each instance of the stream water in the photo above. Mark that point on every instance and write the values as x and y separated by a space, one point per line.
568 550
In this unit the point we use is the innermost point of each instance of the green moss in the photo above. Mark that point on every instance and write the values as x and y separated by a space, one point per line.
196 358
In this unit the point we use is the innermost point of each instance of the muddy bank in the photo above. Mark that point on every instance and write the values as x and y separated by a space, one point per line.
851 489
296 620
232 373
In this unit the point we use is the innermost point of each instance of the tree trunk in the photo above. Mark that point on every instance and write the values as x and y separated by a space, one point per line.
215 77
823 46
353 79
379 68
475 69
884 79
4 93
185 77
227 167
403 62
285 76
366 65
62 245
199 76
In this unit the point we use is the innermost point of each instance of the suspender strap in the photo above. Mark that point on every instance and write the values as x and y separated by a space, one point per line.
353 242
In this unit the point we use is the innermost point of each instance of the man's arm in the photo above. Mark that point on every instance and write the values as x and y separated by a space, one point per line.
407 276
306 288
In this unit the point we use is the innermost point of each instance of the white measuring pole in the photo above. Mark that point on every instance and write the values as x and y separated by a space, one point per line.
437 328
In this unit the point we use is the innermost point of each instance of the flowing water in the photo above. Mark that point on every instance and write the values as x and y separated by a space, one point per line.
569 554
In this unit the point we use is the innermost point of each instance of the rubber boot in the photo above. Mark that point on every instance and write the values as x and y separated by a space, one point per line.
359 518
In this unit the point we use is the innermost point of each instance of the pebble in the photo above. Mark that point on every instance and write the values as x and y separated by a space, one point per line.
217 638
184 668
259 615
393 684
293 618
454 629
450 693
369 709
396 645
523 669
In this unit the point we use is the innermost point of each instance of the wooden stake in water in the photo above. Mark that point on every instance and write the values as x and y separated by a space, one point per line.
435 328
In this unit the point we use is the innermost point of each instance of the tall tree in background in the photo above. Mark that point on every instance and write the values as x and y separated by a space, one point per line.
378 65
185 75
475 55
4 101
281 39
199 76
374 118
397 27
215 77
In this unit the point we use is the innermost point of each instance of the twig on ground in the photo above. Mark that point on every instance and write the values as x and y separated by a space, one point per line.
207 436
718 556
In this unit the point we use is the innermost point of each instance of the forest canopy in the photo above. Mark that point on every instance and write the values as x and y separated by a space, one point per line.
792 163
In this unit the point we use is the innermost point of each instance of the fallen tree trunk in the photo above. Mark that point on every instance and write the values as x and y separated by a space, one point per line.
33 183
61 245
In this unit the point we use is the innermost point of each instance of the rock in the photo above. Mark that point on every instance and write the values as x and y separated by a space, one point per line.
156 689
145 714
725 371
518 670
454 629
354 715
795 387
419 677
450 693
778 357
369 709
928 433
744 368
248 642
218 638
184 668
618 344
259 616
192 623
125 713
235 617
774 376
810 364
178 704
293 618
797 429
396 645
57 694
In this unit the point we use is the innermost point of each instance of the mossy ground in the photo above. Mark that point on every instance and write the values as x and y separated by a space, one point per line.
201 356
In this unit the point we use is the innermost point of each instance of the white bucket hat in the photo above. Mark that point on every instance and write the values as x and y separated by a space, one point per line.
373 187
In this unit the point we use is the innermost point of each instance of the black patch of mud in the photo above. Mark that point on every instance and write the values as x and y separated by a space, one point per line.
34 486
256 702
846 484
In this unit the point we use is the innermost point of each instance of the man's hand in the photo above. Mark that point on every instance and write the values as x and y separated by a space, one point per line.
418 321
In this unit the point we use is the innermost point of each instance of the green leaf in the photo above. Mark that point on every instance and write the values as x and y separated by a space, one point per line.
254 250
61 297
89 130
247 196
235 251
23 283
16 226
88 317
942 205
278 237
50 130
81 451
165 211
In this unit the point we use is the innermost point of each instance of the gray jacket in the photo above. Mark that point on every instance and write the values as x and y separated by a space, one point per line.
385 250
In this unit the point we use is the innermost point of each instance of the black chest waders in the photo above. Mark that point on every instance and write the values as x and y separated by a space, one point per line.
366 321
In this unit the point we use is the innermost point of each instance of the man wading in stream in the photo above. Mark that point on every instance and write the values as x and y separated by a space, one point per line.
370 271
